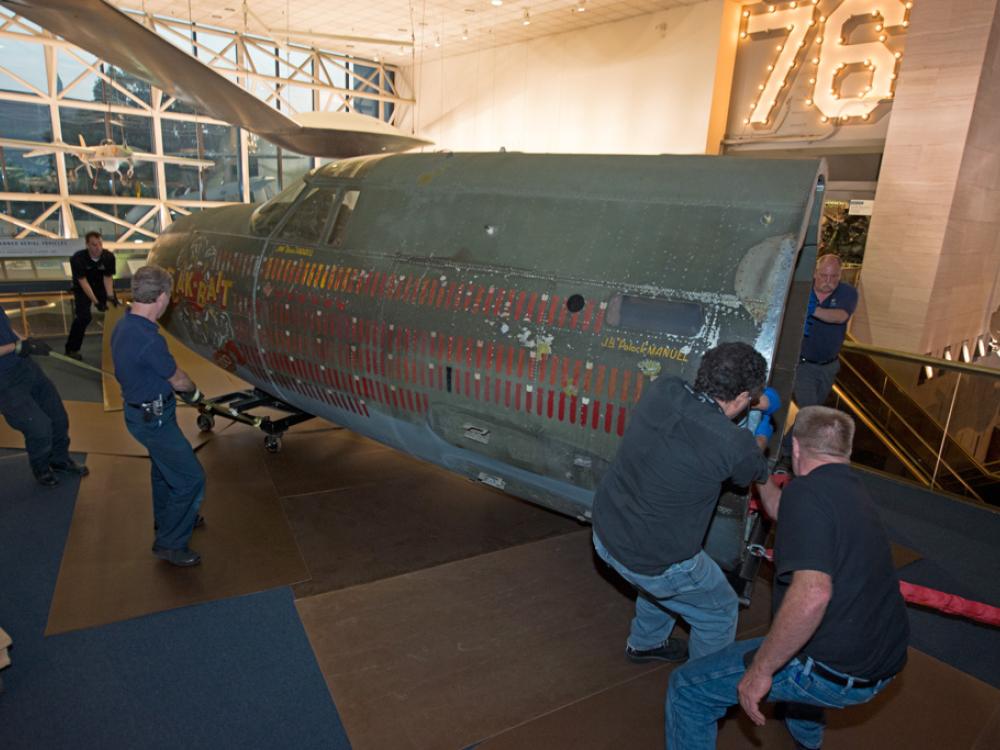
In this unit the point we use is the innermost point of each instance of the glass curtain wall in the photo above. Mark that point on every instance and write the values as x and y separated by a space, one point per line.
54 93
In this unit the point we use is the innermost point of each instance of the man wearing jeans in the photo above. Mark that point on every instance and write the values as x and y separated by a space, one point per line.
653 506
840 630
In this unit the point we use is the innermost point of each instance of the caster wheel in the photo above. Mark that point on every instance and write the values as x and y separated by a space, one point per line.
205 422
272 443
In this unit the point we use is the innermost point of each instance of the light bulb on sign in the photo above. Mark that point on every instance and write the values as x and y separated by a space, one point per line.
875 56
794 20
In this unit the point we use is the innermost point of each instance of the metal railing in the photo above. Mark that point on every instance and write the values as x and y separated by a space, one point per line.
44 314
924 418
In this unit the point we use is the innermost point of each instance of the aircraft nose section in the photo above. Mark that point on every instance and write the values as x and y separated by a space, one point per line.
169 245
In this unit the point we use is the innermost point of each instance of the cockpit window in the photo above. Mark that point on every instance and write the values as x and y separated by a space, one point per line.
309 216
670 316
267 216
347 206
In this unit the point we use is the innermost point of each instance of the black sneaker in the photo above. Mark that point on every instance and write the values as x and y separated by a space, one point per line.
74 355
45 477
70 466
673 650
182 558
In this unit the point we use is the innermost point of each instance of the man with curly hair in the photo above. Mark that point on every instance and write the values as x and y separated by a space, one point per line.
653 506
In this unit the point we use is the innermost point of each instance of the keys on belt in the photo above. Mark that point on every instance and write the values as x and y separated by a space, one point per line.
151 409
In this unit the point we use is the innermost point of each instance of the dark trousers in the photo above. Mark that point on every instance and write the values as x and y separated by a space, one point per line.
178 479
81 318
31 405
813 384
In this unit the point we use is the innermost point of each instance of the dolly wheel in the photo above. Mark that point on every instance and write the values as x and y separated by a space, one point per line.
205 422
272 443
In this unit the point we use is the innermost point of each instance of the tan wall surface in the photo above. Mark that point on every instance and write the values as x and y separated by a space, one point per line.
930 263
643 85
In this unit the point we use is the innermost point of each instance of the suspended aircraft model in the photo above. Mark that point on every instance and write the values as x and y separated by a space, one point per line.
498 314
109 156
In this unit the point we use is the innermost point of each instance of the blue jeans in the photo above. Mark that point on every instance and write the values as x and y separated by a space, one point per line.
178 479
695 589
701 691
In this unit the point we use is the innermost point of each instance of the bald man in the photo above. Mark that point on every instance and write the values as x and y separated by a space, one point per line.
831 305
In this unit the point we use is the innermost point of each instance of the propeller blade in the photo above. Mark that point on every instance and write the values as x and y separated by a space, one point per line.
111 35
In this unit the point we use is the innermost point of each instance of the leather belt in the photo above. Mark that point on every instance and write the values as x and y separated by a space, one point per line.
842 680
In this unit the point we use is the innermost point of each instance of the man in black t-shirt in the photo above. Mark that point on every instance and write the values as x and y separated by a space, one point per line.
654 504
93 270
840 629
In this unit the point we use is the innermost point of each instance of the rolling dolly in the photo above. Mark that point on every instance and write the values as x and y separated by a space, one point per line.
237 406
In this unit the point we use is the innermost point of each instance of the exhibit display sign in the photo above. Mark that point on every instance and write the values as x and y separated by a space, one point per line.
39 247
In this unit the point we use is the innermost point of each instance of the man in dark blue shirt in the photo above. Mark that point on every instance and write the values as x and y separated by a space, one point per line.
93 270
149 376
831 305
654 504
31 404
840 628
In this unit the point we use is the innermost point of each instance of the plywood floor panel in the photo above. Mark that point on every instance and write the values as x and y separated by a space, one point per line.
334 459
444 657
931 705
108 572
419 520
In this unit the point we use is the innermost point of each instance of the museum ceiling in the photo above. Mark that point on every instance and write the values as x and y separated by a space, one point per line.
403 31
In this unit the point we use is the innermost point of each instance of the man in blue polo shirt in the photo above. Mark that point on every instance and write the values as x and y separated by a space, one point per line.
149 376
32 406
831 305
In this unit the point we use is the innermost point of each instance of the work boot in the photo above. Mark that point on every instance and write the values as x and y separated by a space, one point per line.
74 355
69 466
45 477
674 649
182 558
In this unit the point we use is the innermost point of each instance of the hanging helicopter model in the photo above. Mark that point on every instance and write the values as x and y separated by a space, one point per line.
498 314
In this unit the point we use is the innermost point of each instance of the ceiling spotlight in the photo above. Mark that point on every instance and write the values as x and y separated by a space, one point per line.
465 35
496 3
526 20
437 40
580 6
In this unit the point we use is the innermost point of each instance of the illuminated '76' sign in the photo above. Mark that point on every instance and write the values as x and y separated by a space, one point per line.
836 57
